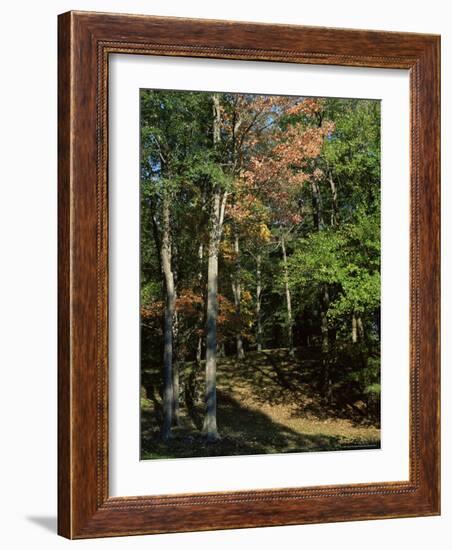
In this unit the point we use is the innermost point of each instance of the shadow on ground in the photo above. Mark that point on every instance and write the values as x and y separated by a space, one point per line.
49 523
243 431
266 404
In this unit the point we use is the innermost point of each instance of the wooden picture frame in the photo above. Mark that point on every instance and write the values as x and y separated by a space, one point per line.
86 40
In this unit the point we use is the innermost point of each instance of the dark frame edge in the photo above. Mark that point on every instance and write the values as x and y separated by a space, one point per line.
64 278
431 247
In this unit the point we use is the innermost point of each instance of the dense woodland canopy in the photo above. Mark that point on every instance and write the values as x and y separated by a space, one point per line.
260 238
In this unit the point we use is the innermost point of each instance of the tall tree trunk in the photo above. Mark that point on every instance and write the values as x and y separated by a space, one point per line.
218 205
176 371
201 287
354 329
357 329
237 293
176 336
334 209
210 420
199 350
359 322
221 350
288 298
258 301
201 313
168 388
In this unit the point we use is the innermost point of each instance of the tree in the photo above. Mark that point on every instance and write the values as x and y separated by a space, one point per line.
217 208
168 151
280 175
238 120
336 273
260 229
170 299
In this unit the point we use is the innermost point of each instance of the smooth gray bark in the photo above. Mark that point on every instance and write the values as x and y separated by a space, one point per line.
168 387
359 322
210 420
218 204
354 329
237 294
176 372
357 329
258 301
334 209
201 315
288 297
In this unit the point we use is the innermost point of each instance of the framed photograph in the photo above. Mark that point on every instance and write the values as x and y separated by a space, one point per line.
248 275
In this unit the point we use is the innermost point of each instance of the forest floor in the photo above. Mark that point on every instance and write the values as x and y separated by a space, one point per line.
265 405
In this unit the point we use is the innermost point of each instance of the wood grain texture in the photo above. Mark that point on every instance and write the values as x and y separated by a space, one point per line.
85 42
64 295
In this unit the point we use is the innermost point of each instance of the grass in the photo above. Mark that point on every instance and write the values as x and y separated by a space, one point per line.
265 405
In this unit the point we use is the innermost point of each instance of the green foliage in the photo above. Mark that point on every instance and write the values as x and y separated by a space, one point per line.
353 151
204 169
150 292
347 259
328 215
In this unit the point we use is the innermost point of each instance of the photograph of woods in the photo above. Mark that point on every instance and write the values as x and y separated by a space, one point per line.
260 274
